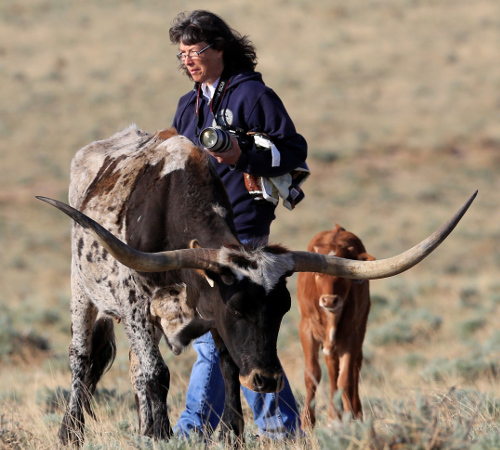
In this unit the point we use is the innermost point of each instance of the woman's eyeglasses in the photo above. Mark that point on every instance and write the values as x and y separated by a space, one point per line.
193 54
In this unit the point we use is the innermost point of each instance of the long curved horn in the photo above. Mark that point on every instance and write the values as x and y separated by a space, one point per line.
370 270
194 258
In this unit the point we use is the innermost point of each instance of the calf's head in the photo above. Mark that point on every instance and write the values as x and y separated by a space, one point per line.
333 291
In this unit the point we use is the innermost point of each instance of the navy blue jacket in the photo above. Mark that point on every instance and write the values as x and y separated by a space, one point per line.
253 107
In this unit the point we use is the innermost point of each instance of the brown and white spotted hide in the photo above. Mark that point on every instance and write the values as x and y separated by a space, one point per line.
169 309
138 186
334 314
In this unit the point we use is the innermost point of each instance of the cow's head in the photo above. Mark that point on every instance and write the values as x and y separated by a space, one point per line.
255 299
333 290
253 286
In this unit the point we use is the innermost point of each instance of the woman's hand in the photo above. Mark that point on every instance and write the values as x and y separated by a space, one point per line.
231 156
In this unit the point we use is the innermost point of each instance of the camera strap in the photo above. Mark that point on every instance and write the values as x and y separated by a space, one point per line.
217 99
219 93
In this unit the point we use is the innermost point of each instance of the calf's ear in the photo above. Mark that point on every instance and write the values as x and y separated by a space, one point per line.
366 257
324 249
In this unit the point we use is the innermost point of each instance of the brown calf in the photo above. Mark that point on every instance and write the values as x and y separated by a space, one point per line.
334 314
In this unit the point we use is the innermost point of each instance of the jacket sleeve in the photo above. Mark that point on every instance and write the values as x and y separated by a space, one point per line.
268 115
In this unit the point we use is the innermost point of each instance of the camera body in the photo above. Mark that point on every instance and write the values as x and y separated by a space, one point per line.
218 140
287 186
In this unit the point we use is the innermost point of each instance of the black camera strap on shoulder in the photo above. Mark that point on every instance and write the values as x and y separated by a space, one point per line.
219 93
217 99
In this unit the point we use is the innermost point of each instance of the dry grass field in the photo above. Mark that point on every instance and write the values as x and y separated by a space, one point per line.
400 103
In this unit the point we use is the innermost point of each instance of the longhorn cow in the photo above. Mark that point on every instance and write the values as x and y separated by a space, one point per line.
171 264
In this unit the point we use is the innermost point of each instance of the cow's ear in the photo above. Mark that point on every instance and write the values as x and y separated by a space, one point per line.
225 276
194 244
204 274
209 280
366 257
227 279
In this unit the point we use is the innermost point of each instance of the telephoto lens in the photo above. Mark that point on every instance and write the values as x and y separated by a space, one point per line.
216 140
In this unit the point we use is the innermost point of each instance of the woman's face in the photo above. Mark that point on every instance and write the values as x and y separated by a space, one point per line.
203 68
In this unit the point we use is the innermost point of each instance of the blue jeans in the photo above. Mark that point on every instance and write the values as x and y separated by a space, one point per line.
275 414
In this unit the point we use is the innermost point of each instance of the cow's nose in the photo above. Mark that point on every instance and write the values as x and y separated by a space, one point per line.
329 301
264 383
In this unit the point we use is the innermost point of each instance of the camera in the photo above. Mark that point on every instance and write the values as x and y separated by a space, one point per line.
218 140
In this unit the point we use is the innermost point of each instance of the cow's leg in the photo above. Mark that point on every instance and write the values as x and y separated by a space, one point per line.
312 373
332 364
155 375
356 401
142 399
83 315
350 365
232 416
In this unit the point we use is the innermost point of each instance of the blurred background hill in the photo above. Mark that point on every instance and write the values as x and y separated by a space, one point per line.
399 102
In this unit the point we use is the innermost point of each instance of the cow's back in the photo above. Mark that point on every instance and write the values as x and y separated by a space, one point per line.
96 157
111 181
104 173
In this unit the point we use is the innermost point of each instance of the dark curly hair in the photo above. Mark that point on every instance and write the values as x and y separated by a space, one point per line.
198 26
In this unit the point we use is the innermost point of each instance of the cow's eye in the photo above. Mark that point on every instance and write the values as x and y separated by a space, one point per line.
234 312
227 279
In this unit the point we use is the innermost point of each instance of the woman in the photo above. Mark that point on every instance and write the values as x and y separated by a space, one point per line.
229 94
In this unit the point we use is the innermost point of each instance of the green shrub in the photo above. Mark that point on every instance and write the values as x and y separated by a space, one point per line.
469 368
413 360
456 420
468 327
14 343
53 400
378 308
470 298
396 332
409 327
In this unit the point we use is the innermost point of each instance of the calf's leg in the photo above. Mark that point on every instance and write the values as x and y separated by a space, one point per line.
332 364
350 366
312 374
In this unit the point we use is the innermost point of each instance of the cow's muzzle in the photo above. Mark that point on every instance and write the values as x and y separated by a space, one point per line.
332 303
261 382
